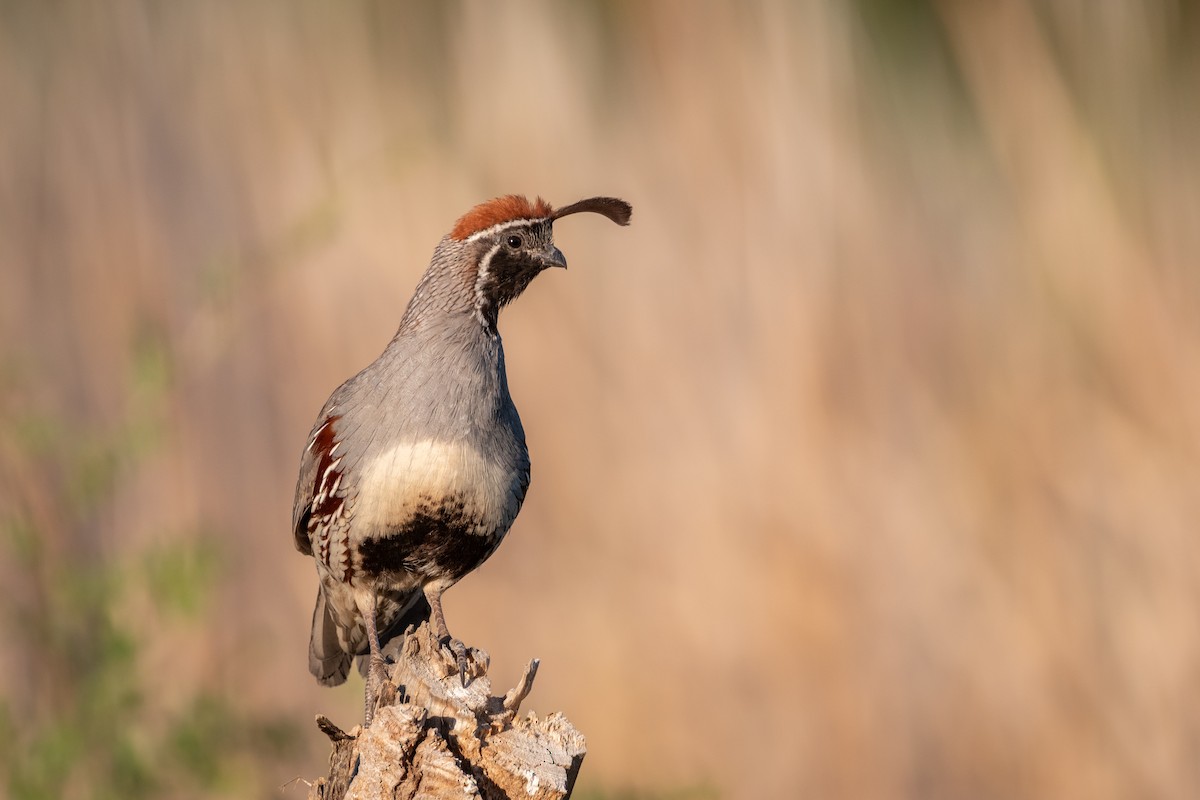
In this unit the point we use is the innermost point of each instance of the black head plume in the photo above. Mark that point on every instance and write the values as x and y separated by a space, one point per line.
617 210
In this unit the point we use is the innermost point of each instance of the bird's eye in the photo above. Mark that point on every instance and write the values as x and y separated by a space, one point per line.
515 242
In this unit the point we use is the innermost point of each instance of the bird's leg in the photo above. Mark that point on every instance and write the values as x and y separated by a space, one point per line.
457 648
376 673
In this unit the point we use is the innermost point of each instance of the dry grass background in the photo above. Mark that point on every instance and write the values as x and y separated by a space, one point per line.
865 462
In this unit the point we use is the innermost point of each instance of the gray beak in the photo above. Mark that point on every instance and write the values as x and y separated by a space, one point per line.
553 257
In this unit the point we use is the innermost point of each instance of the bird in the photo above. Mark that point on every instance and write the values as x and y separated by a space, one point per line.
416 467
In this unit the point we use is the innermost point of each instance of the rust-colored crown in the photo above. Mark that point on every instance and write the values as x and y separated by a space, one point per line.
512 207
498 211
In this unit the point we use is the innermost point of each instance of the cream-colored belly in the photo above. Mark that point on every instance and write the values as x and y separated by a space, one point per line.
419 477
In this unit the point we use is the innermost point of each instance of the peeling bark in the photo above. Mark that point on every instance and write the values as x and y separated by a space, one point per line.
431 737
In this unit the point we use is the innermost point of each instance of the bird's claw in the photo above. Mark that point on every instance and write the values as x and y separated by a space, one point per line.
462 668
468 662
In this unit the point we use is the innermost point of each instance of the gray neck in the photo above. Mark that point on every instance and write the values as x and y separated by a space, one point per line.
442 350
446 289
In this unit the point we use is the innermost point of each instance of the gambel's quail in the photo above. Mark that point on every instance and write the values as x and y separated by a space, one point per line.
417 466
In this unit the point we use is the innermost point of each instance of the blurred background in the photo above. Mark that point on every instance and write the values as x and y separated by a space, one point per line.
866 461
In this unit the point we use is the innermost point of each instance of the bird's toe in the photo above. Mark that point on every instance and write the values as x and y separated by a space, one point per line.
468 662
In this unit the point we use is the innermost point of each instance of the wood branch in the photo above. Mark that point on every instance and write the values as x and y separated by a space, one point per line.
433 737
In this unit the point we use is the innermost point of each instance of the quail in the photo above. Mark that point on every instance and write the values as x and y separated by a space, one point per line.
417 466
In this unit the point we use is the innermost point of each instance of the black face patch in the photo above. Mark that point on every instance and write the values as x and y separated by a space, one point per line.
439 540
509 272
517 260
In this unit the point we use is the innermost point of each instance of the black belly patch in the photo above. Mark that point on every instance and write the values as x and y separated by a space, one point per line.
440 539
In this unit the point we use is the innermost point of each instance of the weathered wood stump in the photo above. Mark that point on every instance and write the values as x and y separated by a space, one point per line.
432 737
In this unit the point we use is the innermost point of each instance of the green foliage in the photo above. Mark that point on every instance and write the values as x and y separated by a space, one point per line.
86 725
179 577
102 730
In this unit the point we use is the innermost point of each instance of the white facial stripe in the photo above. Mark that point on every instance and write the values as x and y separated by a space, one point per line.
484 264
497 228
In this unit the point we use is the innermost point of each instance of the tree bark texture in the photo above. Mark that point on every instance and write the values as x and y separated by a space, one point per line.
431 737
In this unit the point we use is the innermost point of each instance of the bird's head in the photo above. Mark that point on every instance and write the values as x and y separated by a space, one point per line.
509 240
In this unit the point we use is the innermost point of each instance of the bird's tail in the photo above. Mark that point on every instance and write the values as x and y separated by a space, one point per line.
327 661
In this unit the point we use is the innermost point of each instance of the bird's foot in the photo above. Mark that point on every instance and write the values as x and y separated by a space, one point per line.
468 662
377 671
375 693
